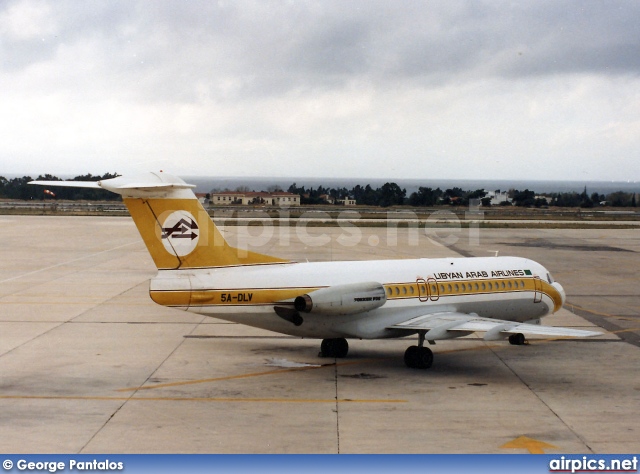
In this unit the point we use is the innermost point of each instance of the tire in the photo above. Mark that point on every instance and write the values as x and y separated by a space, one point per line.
418 357
517 339
425 358
411 357
326 348
338 348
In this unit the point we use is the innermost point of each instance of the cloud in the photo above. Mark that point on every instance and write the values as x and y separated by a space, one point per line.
258 48
286 87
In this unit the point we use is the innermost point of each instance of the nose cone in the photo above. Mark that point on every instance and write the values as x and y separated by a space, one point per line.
563 296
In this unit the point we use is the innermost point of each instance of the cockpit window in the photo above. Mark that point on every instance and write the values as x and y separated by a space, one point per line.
549 278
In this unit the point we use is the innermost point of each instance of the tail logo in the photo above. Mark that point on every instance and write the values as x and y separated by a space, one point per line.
180 233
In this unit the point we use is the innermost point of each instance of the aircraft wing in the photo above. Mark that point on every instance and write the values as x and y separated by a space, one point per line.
451 324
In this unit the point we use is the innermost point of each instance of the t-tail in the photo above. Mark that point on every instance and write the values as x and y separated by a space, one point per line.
174 225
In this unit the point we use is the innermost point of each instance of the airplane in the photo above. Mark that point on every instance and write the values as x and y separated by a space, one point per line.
435 298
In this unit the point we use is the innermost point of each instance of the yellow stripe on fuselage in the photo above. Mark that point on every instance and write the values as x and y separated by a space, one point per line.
395 291
230 297
438 289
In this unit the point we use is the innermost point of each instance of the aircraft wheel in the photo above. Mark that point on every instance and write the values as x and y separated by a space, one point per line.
411 357
418 357
517 339
338 348
425 358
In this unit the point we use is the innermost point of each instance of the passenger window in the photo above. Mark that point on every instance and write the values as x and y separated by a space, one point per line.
477 287
434 289
404 290
510 284
503 285
457 288
490 286
484 287
412 290
450 289
441 288
397 291
521 284
389 291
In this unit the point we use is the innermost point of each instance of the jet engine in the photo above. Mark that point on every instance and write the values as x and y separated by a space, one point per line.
350 298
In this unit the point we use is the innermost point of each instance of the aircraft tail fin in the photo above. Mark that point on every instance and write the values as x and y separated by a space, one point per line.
174 225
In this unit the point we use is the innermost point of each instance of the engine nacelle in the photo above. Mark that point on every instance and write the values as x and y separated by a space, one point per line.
351 298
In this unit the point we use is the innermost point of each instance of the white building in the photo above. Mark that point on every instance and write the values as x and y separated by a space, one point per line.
279 198
347 202
498 197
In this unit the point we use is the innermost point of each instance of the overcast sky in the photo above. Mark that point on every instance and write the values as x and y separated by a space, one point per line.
382 89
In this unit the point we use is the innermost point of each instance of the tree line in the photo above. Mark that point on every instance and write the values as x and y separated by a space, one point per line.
389 194
17 188
584 200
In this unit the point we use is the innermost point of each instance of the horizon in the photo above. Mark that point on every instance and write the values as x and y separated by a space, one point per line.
209 183
68 175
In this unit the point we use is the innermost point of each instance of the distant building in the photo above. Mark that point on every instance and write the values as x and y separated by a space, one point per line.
347 202
282 198
202 197
279 198
327 198
498 197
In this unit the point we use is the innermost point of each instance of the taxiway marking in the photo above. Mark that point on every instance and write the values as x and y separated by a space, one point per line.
241 376
200 399
534 446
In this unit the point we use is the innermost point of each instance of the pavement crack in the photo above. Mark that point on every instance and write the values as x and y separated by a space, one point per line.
531 389
134 392
335 374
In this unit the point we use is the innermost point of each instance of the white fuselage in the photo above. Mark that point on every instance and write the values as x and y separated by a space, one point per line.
507 288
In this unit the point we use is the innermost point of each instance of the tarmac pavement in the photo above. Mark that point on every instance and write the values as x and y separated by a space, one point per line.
89 364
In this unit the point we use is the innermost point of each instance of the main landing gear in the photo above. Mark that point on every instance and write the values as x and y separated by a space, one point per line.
415 357
338 348
418 357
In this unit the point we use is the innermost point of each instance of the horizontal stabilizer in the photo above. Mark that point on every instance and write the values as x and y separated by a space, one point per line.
69 184
147 185
156 186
